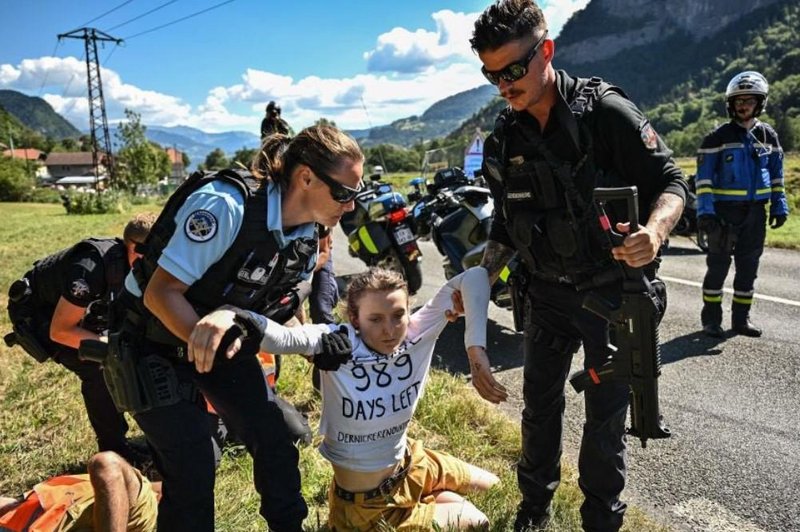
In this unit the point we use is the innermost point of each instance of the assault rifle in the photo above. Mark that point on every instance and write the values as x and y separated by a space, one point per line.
636 357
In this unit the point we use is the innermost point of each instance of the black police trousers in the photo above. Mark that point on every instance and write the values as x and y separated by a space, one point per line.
554 325
179 436
108 424
742 236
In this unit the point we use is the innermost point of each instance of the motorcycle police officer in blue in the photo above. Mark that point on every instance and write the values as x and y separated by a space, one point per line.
739 170
236 238
560 138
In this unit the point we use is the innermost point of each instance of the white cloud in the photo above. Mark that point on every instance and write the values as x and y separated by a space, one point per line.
557 12
406 72
401 50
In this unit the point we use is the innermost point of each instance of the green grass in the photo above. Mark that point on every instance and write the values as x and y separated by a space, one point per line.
45 431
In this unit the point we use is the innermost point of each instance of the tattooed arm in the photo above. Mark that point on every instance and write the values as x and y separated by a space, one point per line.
640 248
495 258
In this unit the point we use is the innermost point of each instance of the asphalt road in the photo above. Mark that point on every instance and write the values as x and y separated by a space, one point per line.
733 405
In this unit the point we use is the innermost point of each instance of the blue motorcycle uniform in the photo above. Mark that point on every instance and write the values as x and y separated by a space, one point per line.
228 249
738 173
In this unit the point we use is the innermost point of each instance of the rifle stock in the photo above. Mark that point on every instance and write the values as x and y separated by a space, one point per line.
636 357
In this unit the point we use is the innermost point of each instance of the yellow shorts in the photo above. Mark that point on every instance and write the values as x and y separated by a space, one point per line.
410 505
142 518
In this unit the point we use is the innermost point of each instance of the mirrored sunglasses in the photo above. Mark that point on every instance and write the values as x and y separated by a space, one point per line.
516 70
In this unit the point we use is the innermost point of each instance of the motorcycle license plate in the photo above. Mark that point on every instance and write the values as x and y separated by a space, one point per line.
403 234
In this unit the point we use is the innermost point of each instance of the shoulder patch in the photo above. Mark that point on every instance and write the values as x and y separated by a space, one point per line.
649 137
200 226
79 288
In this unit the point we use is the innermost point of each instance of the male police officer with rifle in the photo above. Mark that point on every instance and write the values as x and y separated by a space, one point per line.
560 138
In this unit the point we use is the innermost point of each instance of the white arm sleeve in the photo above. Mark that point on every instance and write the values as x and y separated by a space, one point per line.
475 291
474 287
303 340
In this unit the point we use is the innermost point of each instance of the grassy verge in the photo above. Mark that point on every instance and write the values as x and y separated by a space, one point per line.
45 431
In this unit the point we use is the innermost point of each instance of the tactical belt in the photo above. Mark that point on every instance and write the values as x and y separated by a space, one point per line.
383 490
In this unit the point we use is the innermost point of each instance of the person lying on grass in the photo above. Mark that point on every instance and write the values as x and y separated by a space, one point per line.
374 372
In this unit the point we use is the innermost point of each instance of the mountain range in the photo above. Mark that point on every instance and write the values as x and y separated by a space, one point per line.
37 114
197 144
673 58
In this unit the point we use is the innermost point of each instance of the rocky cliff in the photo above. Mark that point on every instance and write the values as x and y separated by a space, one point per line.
607 27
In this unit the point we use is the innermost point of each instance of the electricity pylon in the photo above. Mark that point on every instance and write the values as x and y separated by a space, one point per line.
98 123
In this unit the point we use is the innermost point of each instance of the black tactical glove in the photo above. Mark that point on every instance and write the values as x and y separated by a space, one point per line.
246 327
336 350
776 220
708 223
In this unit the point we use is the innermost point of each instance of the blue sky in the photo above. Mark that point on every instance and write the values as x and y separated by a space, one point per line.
360 63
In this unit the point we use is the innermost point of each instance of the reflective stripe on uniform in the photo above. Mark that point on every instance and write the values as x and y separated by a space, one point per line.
732 145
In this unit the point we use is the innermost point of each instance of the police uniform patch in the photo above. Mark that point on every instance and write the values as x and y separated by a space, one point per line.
649 137
729 158
79 288
200 226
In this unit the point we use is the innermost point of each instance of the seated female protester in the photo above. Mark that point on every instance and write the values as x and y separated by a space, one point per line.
380 475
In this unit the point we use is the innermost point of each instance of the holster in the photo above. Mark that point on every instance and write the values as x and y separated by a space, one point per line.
24 337
136 382
23 315
518 282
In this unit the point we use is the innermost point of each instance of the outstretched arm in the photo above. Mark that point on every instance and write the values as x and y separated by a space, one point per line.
208 334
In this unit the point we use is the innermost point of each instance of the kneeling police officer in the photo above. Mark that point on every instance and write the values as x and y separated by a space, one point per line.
64 299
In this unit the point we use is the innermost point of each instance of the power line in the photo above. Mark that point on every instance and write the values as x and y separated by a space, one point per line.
142 15
178 20
107 13
47 73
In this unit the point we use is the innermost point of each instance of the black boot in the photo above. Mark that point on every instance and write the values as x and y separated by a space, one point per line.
745 328
713 330
531 518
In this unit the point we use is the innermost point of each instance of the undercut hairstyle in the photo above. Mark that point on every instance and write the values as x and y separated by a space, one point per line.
137 229
506 21
323 148
372 280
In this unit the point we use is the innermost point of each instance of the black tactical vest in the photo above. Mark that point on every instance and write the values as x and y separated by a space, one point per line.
547 200
252 274
47 276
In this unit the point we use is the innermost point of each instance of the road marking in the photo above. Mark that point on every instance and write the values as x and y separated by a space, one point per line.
729 291
703 514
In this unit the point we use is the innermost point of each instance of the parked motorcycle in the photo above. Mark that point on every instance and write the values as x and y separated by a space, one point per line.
381 233
457 214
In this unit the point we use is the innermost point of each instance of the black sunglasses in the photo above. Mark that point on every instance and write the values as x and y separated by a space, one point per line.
339 192
516 70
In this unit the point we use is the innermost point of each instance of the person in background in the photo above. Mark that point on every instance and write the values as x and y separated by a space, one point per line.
272 122
739 171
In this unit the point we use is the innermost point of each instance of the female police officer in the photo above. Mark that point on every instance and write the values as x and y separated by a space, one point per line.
241 239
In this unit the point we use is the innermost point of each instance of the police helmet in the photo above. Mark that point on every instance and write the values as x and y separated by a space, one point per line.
748 83
271 106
